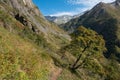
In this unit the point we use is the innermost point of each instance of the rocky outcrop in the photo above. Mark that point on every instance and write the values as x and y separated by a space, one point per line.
29 15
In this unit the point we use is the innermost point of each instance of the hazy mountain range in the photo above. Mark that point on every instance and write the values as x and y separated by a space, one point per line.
61 19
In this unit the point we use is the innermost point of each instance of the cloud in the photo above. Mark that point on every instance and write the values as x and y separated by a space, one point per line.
70 13
87 3
63 13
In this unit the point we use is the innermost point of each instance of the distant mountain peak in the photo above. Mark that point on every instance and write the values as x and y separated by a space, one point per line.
101 3
116 3
61 19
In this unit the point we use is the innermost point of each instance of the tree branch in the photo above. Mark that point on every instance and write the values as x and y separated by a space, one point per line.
74 67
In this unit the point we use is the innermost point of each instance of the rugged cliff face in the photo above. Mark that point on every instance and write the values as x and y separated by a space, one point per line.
29 16
22 6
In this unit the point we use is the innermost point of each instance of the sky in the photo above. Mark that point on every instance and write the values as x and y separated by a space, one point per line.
66 7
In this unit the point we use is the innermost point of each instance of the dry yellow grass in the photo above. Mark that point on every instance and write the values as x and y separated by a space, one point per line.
22 60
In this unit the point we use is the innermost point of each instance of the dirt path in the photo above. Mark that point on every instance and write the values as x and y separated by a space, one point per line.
56 74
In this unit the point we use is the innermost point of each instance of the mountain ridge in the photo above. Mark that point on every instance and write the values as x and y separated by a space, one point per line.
61 19
103 18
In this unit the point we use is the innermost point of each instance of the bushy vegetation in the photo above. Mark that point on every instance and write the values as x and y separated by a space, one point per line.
35 38
112 70
22 60
91 64
86 37
86 42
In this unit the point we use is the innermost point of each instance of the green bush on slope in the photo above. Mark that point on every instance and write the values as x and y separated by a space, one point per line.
81 38
94 67
91 58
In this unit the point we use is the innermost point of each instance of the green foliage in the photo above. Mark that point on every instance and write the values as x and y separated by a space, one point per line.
112 70
22 60
89 59
4 17
35 38
94 65
81 38
67 75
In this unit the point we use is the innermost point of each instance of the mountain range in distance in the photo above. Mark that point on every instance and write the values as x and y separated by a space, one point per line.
61 19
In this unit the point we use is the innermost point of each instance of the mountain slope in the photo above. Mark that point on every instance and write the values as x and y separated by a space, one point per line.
27 40
31 48
21 59
26 15
105 19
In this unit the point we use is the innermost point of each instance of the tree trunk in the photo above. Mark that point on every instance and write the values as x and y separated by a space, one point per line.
73 67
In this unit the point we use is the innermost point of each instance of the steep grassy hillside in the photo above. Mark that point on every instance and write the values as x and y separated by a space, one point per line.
21 59
26 41
23 16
